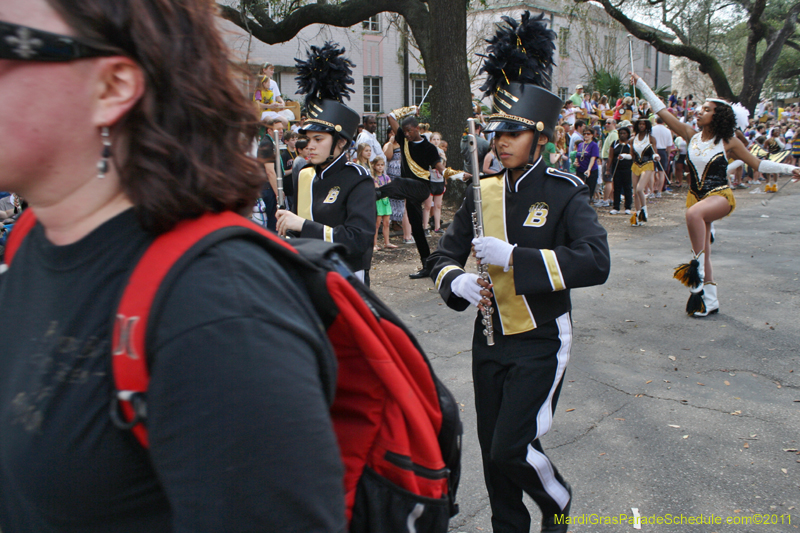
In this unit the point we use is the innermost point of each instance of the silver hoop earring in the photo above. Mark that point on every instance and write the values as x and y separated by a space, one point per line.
102 165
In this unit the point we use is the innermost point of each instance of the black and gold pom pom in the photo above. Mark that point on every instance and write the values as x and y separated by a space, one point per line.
695 304
688 273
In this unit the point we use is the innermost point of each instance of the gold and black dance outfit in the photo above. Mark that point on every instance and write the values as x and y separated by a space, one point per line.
708 168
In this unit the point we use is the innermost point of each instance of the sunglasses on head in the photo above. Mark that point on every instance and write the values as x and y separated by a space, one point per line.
22 43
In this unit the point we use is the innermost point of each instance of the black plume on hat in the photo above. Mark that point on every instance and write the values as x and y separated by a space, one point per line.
326 74
519 52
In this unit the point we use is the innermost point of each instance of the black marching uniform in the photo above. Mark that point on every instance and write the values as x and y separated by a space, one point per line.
560 246
622 174
338 204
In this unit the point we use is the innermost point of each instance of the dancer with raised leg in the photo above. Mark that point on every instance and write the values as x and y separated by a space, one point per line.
710 197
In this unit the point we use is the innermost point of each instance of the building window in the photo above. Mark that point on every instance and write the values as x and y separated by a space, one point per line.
563 41
372 24
563 93
372 94
418 88
647 48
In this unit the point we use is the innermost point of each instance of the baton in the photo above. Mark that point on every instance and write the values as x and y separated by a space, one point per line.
765 202
630 49
426 96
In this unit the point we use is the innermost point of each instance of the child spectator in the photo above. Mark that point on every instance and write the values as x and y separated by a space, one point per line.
363 155
378 167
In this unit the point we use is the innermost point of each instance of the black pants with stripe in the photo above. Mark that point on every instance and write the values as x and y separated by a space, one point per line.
414 192
517 384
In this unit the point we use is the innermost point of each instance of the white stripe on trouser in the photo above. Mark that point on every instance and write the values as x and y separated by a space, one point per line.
544 419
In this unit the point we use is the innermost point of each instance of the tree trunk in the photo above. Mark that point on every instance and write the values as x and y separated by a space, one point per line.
445 57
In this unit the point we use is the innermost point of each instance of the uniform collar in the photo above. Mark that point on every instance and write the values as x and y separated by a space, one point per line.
334 167
527 173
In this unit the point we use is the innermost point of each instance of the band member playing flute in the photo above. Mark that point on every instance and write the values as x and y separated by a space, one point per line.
541 240
334 200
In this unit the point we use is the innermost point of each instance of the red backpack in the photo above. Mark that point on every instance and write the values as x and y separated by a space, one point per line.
398 427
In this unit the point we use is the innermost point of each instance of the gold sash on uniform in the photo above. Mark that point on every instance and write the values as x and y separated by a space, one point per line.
304 198
515 316
415 168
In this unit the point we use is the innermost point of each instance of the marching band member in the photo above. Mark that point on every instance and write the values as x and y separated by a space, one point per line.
334 199
710 197
542 239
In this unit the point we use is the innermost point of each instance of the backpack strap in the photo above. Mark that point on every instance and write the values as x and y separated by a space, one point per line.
23 226
161 261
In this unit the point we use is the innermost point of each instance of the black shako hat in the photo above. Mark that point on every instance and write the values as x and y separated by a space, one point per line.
325 78
331 116
519 66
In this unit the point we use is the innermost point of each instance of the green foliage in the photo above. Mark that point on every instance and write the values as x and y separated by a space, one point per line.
607 83
425 112
662 91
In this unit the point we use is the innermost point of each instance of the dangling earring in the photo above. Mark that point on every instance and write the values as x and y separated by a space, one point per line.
102 165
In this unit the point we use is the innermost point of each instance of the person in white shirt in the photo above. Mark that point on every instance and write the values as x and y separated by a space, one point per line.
367 136
577 136
663 142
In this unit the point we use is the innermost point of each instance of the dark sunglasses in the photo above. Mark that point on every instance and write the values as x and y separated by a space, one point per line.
22 43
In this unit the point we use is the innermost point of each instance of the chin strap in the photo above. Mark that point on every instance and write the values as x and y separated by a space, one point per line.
331 157
532 156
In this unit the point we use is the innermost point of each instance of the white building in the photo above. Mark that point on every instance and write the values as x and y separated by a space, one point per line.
375 46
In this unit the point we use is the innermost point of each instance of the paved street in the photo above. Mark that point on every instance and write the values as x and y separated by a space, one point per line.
659 411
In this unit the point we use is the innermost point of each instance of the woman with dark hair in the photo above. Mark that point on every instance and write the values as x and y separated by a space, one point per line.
147 130
710 197
642 170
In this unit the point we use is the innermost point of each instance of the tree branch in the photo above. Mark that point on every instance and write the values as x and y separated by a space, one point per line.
708 64
341 15
790 74
792 44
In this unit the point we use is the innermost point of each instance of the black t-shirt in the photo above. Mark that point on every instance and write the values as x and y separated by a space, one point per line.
240 435
423 153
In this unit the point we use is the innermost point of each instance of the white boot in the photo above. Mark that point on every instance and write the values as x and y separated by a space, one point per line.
709 299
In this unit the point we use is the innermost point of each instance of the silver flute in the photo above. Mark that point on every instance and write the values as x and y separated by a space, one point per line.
279 173
477 225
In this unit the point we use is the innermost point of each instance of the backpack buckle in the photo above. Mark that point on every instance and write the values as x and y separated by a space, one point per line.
137 402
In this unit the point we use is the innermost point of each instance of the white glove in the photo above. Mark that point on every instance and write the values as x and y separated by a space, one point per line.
770 167
493 251
657 157
733 166
655 103
626 157
466 286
